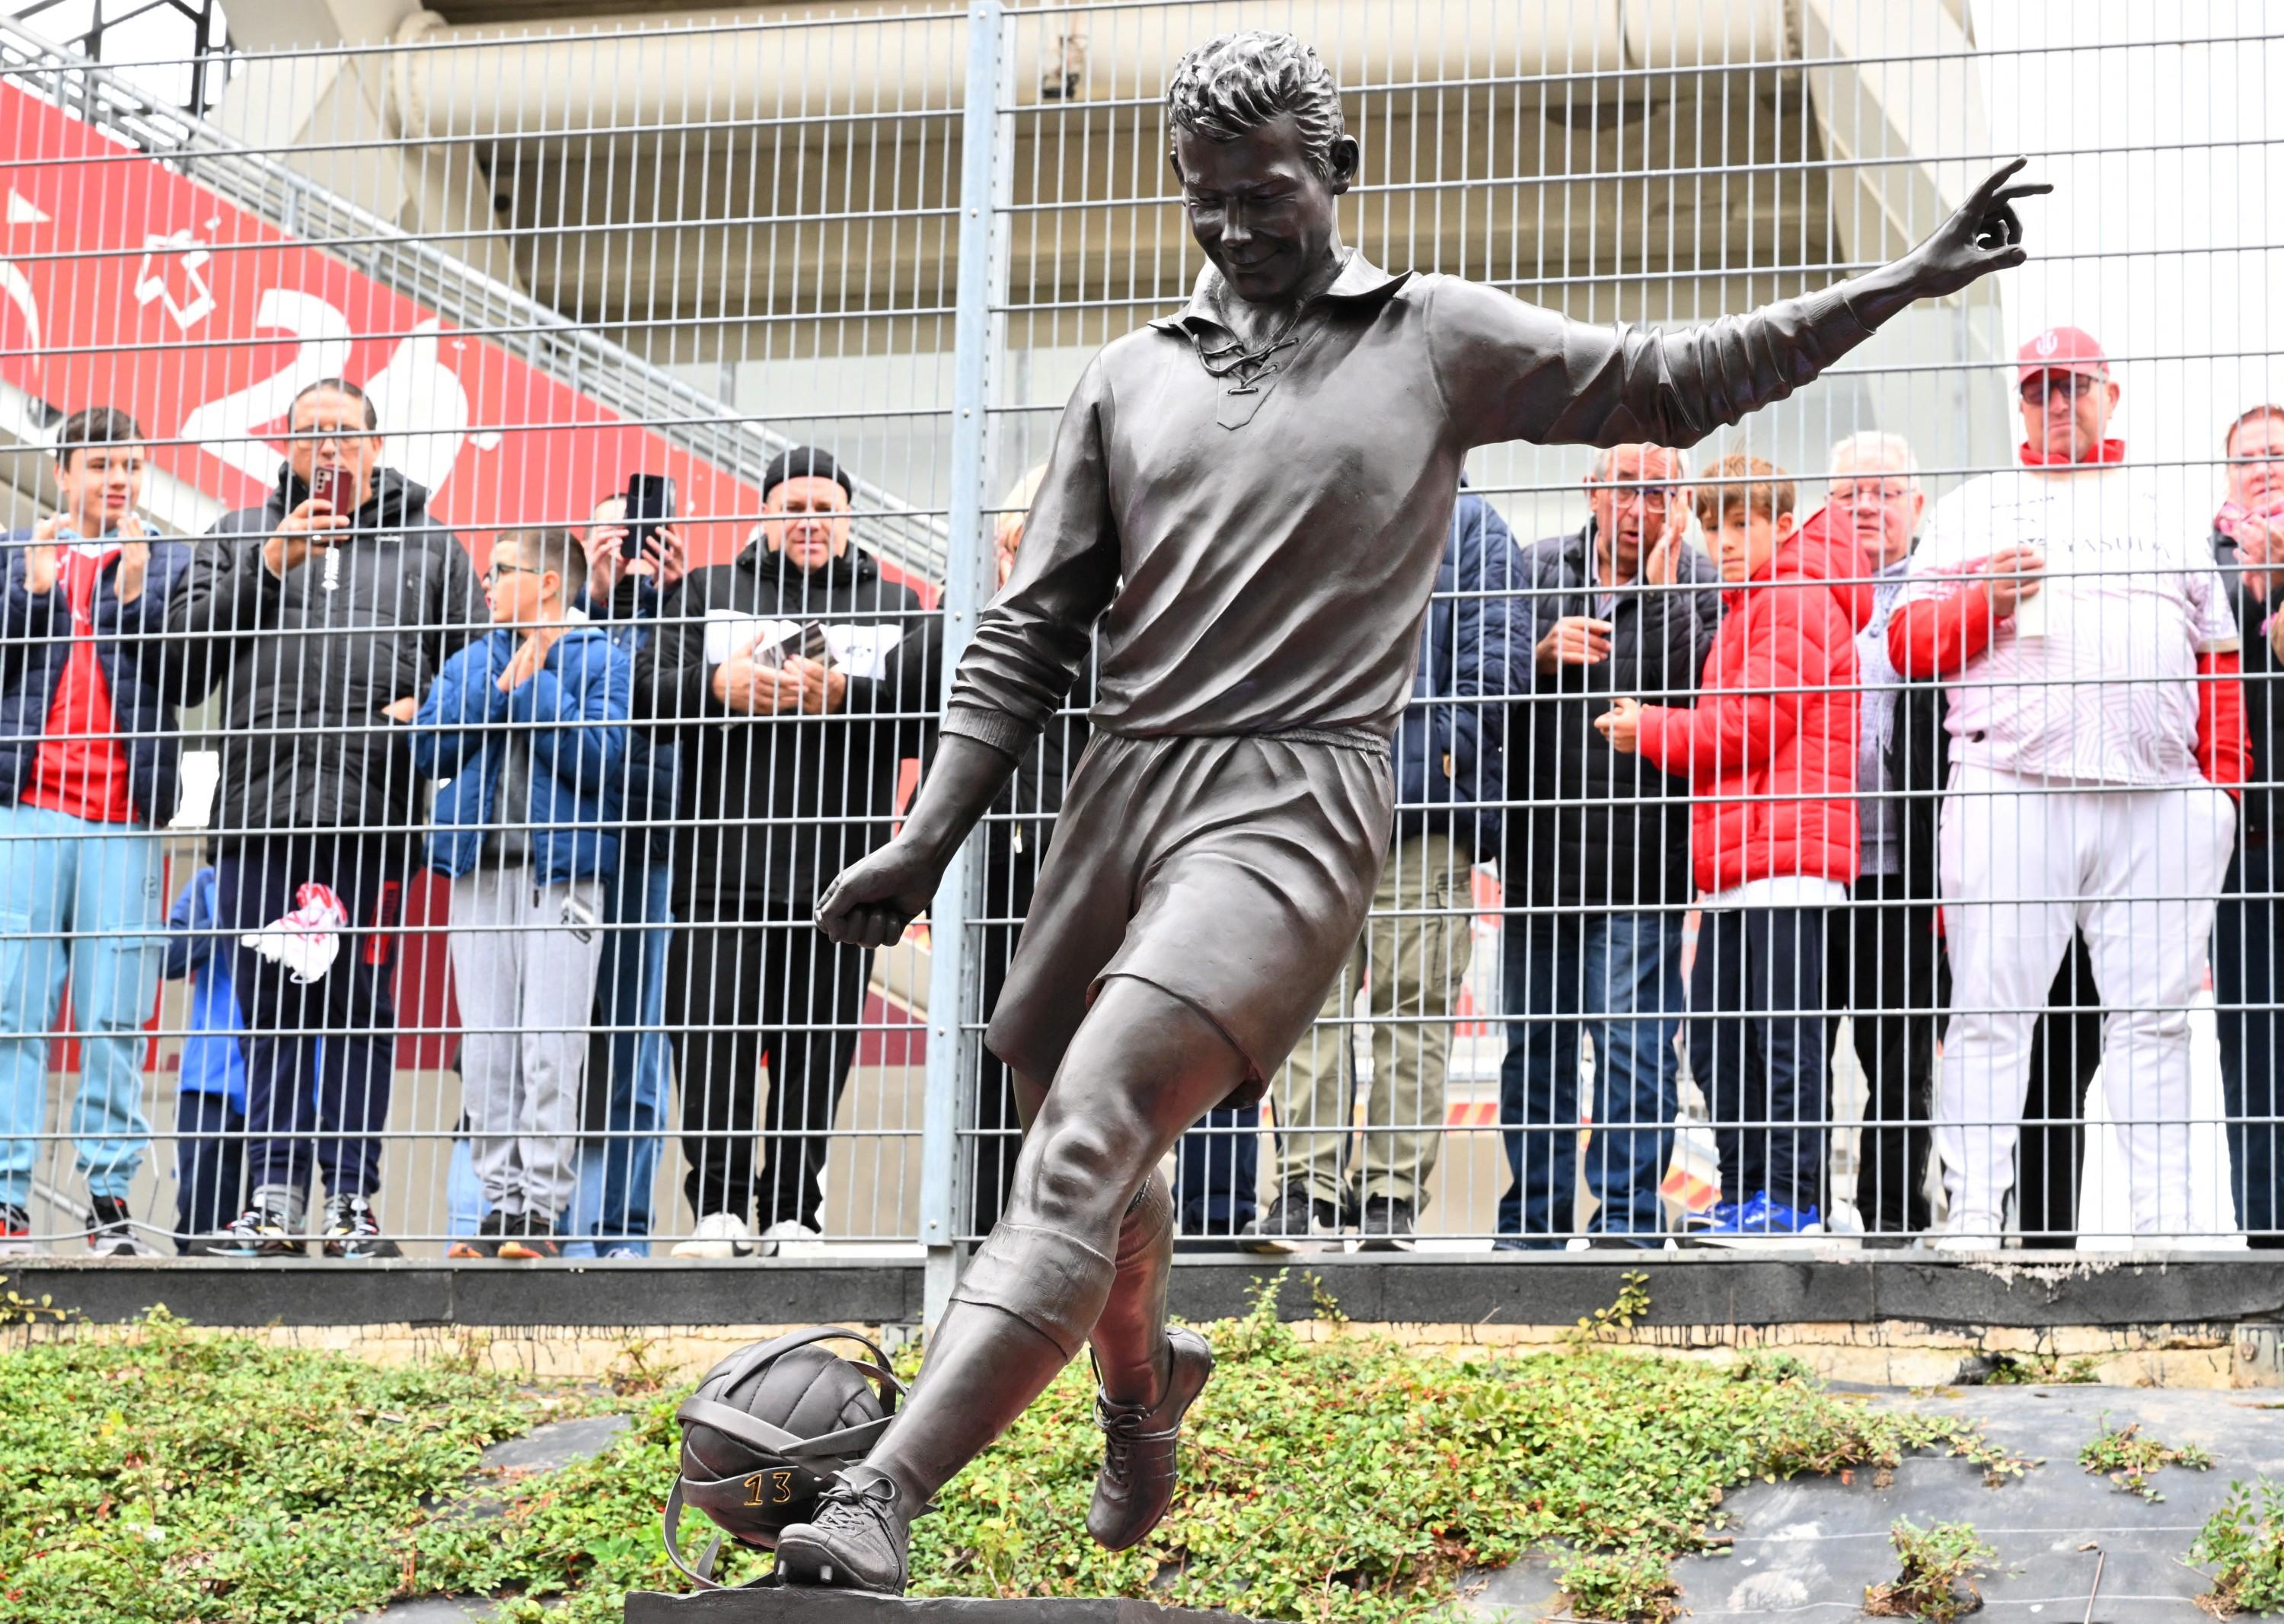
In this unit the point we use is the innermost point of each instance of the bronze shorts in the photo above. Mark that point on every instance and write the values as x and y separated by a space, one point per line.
1232 871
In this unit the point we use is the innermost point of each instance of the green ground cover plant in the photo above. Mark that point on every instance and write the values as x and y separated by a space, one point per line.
198 1477
2041 1369
2243 1542
2129 1461
188 1476
1940 1566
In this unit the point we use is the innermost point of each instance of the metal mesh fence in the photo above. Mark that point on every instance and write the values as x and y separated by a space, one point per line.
356 876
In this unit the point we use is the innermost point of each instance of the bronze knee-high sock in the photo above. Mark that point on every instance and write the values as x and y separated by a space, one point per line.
1129 1337
1020 1313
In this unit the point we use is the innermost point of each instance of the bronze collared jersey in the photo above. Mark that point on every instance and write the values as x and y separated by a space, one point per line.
1262 560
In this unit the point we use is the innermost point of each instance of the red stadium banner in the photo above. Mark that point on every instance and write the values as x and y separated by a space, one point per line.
125 284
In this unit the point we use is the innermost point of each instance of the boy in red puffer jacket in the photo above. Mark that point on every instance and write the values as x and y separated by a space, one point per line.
1770 752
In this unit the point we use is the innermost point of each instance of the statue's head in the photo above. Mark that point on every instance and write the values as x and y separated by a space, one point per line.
1261 153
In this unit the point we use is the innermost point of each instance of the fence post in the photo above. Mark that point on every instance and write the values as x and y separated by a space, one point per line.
967 583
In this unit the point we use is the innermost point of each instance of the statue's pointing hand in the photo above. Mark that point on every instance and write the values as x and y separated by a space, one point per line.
1985 235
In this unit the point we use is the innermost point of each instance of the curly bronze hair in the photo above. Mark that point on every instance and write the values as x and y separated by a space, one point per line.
1237 82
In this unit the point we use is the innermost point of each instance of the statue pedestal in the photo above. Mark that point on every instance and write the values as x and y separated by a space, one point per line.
777 1604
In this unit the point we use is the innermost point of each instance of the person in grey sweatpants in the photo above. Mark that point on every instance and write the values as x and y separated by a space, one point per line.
526 729
524 956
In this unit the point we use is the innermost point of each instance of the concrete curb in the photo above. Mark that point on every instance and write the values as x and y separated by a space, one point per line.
2027 1290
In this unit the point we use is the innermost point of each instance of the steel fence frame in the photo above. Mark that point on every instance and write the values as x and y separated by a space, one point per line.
1092 175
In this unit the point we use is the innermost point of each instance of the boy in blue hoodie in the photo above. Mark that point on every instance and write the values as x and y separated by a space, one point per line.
210 1115
526 730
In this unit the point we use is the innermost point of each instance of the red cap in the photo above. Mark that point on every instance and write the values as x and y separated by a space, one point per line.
2061 350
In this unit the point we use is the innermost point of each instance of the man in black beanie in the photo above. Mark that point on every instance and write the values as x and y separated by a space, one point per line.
767 670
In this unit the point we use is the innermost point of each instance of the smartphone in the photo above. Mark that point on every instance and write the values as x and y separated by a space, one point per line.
336 488
649 503
814 644
807 640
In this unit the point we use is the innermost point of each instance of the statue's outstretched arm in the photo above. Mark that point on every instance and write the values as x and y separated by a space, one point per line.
1511 371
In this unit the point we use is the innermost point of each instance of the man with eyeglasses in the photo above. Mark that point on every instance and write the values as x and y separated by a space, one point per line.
2089 649
2248 543
1597 870
1883 954
319 617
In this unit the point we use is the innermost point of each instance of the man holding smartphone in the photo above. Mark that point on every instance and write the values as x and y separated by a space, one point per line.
320 618
773 667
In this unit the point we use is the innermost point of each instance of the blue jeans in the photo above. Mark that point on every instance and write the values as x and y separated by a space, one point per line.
465 1207
81 899
1756 1048
632 1057
1624 968
1216 1166
2246 965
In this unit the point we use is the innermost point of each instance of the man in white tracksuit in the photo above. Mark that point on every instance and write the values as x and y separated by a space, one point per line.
2097 735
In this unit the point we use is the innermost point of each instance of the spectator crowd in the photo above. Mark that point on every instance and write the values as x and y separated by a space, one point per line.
1980 790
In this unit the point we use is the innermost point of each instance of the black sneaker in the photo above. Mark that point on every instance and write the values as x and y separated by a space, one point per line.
1387 1224
1289 1222
15 1231
531 1236
353 1231
111 1231
485 1243
257 1232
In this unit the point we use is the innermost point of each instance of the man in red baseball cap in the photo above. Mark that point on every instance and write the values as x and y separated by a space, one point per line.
2068 397
2088 646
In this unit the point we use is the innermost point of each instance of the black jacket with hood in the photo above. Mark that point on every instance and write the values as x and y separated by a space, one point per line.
775 806
306 672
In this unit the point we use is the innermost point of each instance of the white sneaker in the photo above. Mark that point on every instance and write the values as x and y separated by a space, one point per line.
786 1235
718 1235
2155 1241
1968 1234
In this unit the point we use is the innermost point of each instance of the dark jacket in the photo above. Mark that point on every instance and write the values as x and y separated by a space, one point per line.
650 780
2261 811
571 715
1451 753
1607 831
777 805
36 638
1919 768
305 674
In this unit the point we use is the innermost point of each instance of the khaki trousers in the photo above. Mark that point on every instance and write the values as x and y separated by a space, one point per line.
1411 961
